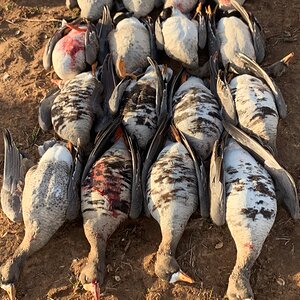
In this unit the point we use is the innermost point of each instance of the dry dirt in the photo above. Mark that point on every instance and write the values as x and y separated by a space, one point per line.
52 273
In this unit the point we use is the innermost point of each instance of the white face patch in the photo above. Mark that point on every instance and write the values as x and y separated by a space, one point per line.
174 277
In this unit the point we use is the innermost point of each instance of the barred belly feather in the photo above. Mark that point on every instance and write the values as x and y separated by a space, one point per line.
106 192
140 117
256 108
72 114
251 211
172 190
196 113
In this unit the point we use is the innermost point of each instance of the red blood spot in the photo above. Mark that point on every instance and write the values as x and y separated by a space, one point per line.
71 44
118 133
249 246
107 186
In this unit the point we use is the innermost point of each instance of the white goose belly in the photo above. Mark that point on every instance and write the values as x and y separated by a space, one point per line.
234 37
130 41
196 113
250 197
256 108
92 9
45 199
140 8
171 188
181 40
69 55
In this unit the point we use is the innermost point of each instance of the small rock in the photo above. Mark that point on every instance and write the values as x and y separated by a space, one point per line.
117 278
5 76
219 245
280 281
109 268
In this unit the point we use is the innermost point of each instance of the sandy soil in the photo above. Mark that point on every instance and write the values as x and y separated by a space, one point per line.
206 252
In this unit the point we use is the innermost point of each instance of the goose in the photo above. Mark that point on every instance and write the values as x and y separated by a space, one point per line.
181 37
250 209
76 46
71 49
106 199
173 183
235 34
46 204
196 114
255 100
129 44
142 100
243 179
73 110
93 9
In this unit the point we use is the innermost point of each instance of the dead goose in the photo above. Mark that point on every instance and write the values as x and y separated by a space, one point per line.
143 100
196 114
107 193
243 195
181 37
68 50
234 34
250 213
77 45
254 102
172 185
73 109
130 44
47 202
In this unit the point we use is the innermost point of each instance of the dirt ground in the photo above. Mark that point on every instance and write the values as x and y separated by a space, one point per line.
206 252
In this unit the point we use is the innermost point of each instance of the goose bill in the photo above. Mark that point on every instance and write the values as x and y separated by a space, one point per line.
11 290
181 276
94 288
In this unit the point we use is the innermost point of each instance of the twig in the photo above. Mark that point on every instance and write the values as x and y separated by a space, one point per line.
34 20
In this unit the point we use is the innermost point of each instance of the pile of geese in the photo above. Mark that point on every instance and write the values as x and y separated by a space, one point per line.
134 137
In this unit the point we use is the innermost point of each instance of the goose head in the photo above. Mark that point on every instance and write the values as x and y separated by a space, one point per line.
167 268
10 273
91 278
